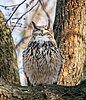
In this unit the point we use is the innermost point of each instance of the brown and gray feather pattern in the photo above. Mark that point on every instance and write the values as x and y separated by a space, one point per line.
42 58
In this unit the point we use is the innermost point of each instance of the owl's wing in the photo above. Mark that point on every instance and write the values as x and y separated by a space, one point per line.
57 62
42 64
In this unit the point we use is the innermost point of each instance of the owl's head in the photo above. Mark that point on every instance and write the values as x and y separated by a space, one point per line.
42 30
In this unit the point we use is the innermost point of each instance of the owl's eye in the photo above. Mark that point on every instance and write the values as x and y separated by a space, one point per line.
38 29
42 31
35 30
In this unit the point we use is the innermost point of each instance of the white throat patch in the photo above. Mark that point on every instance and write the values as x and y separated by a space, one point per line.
41 39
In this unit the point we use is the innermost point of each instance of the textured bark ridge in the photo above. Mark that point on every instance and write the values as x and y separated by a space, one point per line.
8 61
70 33
46 92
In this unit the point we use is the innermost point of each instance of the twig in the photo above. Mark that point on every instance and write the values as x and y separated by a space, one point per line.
24 15
46 14
16 4
35 12
22 40
15 10
9 6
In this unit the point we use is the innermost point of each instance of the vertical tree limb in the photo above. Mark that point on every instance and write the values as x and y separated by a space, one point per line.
70 34
8 59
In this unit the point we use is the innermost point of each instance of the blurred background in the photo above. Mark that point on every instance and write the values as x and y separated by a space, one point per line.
19 20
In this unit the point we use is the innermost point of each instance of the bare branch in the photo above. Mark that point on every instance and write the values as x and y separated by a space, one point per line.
17 4
45 13
15 10
9 6
21 41
24 15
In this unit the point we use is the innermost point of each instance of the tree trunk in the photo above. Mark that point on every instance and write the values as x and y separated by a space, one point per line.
70 34
8 61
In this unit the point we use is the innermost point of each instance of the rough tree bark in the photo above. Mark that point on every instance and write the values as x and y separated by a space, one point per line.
10 91
8 61
47 92
70 33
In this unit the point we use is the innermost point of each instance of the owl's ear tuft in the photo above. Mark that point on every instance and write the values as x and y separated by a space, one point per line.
34 25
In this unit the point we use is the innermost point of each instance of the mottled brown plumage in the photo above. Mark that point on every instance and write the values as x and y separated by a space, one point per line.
42 58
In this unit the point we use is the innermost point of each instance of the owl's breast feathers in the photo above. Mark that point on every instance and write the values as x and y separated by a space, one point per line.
42 61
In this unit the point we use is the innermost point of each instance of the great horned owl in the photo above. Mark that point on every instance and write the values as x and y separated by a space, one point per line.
42 58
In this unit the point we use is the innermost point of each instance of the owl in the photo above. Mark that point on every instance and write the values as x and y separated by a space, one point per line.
42 59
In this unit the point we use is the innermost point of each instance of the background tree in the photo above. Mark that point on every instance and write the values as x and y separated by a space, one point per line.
70 34
8 60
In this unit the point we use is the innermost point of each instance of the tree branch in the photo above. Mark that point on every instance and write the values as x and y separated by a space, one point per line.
23 15
15 10
8 59
45 92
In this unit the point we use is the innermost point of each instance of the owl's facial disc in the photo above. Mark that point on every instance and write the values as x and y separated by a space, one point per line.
41 39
